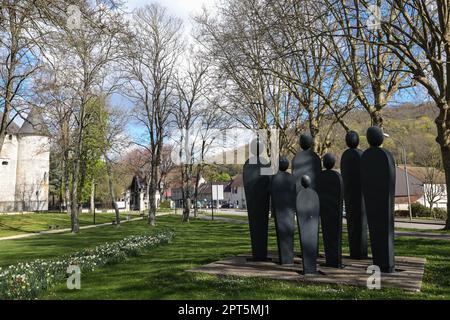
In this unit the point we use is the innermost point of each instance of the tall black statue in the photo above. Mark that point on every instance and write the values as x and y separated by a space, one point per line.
306 162
378 185
330 190
283 204
257 194
355 210
308 209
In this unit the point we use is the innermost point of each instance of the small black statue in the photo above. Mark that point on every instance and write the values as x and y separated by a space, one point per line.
257 194
308 209
306 162
283 204
330 190
378 185
355 210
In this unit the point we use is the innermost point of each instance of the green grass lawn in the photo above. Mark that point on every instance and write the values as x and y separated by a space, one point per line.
159 273
34 222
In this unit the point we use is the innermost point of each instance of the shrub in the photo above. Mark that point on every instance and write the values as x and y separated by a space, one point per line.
402 213
440 214
419 210
26 280
164 204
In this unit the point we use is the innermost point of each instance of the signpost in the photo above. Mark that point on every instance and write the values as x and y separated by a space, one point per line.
216 194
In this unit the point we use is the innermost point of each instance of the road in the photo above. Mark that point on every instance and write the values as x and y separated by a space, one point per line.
399 223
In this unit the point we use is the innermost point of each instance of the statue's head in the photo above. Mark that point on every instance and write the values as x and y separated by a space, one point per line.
306 141
306 181
375 136
352 139
283 163
329 160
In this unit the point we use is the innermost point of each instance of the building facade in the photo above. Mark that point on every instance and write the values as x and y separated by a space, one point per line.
136 198
235 193
24 166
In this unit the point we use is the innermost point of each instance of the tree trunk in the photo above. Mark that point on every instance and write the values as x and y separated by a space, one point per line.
443 139
186 194
9 82
197 178
376 118
74 190
314 131
74 206
61 193
446 162
92 198
151 202
186 209
67 190
111 190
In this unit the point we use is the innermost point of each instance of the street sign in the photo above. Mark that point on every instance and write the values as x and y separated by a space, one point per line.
217 192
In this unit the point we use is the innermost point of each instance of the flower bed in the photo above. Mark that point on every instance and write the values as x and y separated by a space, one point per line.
25 280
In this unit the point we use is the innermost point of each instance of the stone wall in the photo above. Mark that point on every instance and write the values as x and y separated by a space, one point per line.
32 178
8 167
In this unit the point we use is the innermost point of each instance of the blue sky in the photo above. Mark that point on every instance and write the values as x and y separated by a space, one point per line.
183 9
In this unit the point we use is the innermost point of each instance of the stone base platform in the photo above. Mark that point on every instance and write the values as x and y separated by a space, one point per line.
408 275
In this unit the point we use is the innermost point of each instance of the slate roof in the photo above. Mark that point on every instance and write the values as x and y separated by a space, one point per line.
12 128
424 173
34 124
237 181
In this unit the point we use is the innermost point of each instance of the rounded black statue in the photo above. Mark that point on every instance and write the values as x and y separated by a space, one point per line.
306 162
378 185
257 194
283 204
330 190
355 210
308 209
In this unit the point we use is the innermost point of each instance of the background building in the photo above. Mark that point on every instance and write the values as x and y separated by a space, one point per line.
25 165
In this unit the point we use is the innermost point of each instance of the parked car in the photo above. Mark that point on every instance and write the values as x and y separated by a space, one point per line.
225 206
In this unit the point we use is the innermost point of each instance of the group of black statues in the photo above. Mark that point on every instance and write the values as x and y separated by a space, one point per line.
367 185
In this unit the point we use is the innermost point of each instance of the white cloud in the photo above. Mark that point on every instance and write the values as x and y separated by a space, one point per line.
181 8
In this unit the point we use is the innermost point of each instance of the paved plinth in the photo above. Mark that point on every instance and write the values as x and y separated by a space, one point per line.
408 275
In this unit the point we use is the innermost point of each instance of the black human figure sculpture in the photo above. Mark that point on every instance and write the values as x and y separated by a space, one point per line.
257 194
355 210
330 190
306 162
283 204
378 185
308 208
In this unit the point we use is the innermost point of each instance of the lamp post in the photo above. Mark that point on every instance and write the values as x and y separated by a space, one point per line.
406 173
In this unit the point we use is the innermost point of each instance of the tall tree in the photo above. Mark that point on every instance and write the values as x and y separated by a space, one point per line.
191 87
419 36
81 54
19 57
150 67
115 141
373 72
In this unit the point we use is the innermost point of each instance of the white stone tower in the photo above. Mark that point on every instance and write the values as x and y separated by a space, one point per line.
33 162
8 168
